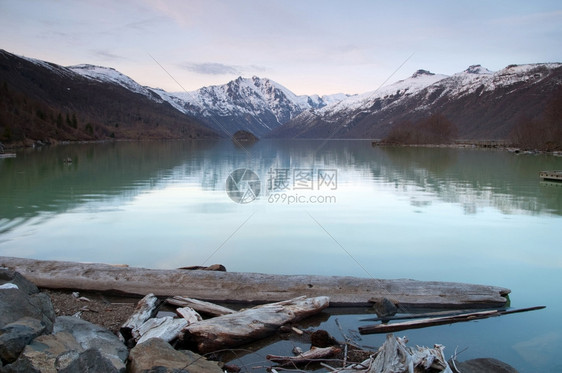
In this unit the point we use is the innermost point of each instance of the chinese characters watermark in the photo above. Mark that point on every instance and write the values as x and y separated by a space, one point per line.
283 185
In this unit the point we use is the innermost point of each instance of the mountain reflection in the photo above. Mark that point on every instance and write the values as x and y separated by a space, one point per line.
475 178
41 182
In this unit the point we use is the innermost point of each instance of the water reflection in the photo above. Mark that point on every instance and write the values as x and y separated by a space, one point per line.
474 178
40 181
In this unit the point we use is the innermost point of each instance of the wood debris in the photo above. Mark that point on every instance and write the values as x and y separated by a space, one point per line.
253 323
423 323
189 314
200 306
166 328
145 309
395 357
315 354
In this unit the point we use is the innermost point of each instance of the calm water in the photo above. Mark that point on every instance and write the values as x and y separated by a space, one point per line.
331 208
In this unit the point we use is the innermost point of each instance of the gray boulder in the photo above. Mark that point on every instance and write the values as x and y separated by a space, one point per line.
91 336
15 304
89 361
9 276
24 314
46 353
75 346
157 355
15 336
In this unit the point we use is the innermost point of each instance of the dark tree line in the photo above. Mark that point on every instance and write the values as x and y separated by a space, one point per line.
544 132
436 129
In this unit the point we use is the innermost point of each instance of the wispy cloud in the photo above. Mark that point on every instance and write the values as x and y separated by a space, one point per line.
215 68
146 24
107 55
211 68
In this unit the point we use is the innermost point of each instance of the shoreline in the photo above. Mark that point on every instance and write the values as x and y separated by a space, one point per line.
501 145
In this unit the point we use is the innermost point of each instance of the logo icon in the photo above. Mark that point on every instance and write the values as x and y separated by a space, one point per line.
243 185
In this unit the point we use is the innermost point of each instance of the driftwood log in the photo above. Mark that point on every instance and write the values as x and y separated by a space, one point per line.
251 324
434 321
254 288
166 328
199 305
189 314
144 310
315 354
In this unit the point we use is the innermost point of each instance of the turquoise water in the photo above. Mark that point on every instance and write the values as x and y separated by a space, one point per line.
324 207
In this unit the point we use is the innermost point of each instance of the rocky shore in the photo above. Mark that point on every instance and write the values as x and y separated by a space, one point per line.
38 335
67 331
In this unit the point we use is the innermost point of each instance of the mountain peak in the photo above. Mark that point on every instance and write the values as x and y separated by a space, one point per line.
477 69
422 72
87 66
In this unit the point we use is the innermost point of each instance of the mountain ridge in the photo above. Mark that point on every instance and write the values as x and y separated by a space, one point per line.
255 104
483 104
44 101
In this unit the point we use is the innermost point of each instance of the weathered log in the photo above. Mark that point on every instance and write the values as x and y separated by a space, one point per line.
166 328
144 310
423 323
254 287
424 315
189 314
199 305
251 324
315 354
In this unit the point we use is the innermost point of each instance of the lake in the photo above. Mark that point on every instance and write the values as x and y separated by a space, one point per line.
339 207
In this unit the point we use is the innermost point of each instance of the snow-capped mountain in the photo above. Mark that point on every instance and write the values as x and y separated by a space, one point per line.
483 104
110 75
255 104
384 97
49 102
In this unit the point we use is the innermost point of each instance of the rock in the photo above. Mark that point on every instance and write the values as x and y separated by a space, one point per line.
91 336
75 346
384 307
212 267
15 304
488 365
43 302
15 336
47 353
9 276
90 361
156 355
322 338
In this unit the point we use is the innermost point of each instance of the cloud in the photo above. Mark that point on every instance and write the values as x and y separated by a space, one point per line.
211 68
145 24
107 55
215 68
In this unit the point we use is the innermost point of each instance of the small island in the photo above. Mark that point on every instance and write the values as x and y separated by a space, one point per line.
244 137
